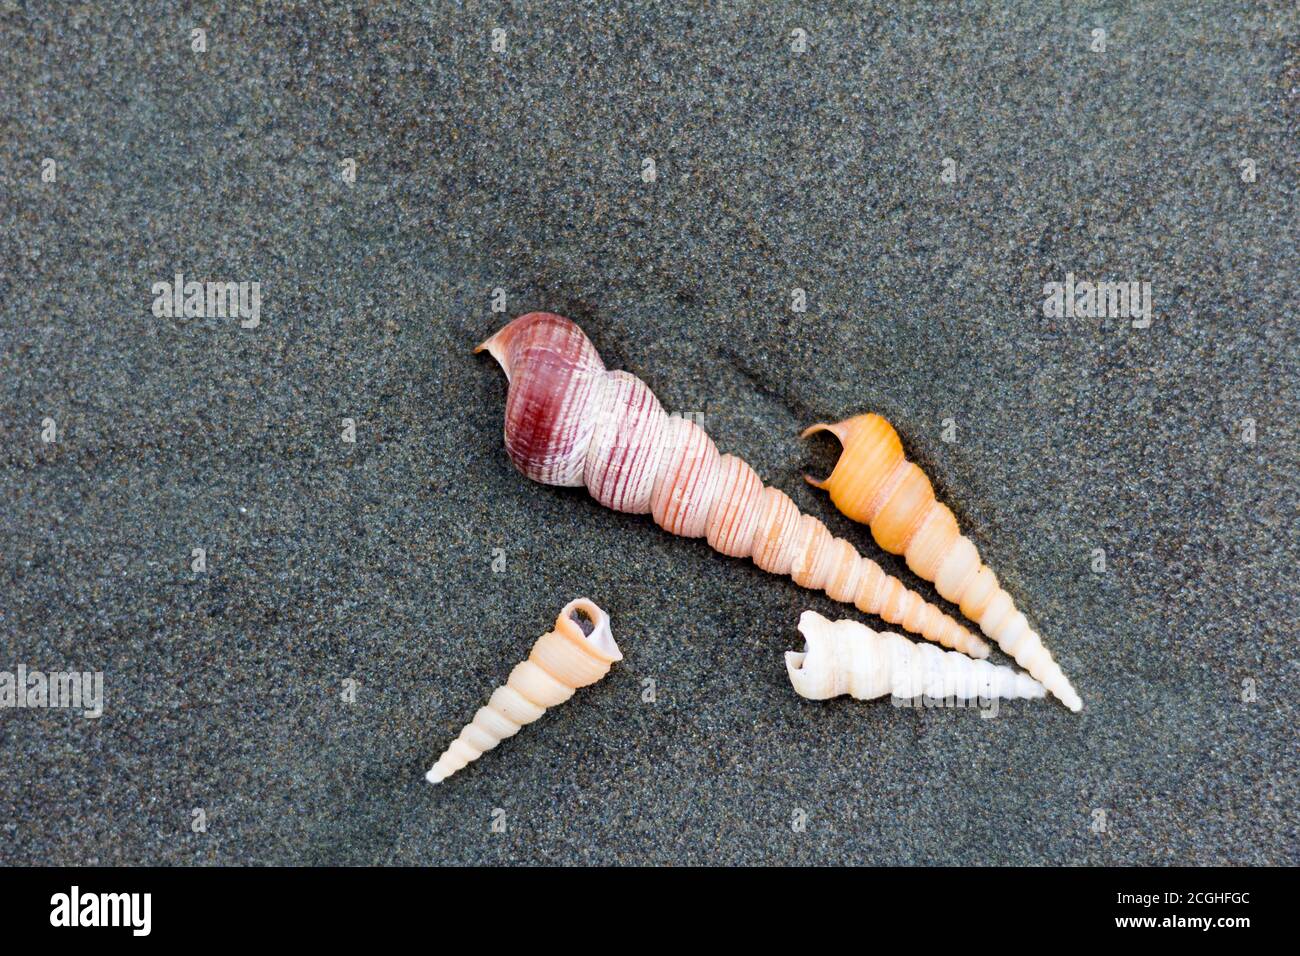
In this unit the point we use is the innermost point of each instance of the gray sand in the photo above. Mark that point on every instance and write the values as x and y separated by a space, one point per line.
372 562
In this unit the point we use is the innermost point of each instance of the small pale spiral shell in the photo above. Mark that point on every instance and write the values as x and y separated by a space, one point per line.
571 422
874 483
578 652
847 657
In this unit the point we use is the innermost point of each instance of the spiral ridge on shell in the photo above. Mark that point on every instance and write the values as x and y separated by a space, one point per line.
571 422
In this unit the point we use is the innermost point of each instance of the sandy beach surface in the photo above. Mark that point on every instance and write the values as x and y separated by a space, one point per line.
360 599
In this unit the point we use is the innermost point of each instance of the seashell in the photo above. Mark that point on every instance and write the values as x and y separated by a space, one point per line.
847 657
873 482
578 652
571 422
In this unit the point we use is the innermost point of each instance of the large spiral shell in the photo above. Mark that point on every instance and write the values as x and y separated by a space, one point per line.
847 657
874 483
578 652
571 422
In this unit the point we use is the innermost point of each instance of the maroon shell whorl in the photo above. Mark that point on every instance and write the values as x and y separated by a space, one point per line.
554 373
513 341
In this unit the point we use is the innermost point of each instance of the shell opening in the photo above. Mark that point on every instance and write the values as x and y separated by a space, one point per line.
800 679
804 682
594 624
583 620
835 430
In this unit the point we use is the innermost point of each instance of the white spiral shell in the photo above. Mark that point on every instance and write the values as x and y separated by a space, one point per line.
847 657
